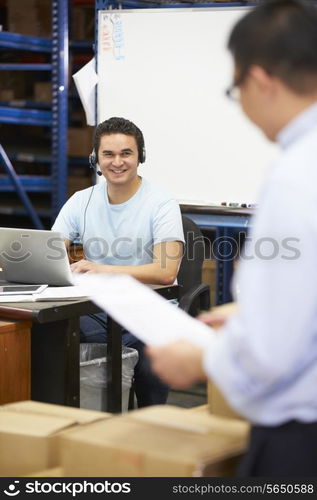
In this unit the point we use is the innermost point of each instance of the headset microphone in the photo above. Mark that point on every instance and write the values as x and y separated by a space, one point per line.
93 162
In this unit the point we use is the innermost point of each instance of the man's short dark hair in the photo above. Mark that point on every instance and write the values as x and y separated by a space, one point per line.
116 125
281 37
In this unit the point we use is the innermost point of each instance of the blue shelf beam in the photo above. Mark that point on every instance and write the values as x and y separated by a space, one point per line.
81 45
31 183
25 116
7 165
25 67
32 158
20 103
20 211
25 42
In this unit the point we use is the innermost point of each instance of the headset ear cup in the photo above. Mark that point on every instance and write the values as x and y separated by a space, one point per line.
92 160
143 155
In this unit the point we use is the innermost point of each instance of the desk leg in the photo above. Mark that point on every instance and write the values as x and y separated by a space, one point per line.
55 362
114 368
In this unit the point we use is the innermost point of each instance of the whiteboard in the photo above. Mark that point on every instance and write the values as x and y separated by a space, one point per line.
166 70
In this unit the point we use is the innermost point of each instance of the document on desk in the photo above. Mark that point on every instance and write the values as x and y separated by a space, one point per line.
141 310
51 293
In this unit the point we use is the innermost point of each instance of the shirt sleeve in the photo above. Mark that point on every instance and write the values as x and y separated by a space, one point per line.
267 347
67 221
167 223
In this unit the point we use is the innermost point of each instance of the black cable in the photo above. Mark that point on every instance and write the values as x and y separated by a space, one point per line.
82 237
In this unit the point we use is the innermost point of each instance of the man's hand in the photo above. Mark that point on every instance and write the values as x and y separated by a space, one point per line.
178 364
219 315
85 266
214 319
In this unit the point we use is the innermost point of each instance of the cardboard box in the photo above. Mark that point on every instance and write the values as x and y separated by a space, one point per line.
30 17
82 23
217 404
76 183
6 95
43 92
13 86
80 141
200 408
209 277
53 472
30 434
158 441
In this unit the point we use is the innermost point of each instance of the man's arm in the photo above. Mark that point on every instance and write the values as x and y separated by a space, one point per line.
266 350
67 243
163 270
178 364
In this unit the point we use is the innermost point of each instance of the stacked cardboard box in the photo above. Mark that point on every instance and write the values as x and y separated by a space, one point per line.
77 183
6 95
80 141
162 441
12 86
209 277
217 404
30 17
30 434
43 92
42 440
82 23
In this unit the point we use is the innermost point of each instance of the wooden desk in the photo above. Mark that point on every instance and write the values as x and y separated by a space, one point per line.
15 361
54 346
55 343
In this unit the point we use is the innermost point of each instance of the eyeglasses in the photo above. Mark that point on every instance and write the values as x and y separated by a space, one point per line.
233 92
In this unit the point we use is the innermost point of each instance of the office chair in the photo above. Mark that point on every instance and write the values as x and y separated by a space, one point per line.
194 296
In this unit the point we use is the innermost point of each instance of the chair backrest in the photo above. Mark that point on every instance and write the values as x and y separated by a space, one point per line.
190 272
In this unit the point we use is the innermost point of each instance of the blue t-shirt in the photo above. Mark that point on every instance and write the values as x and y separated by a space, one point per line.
122 234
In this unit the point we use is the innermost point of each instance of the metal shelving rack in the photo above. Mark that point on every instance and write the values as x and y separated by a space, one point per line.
56 118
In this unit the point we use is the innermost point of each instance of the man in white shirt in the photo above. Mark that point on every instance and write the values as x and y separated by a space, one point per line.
264 359
126 225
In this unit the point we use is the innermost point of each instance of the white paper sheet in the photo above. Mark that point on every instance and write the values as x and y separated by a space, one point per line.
142 311
86 80
51 293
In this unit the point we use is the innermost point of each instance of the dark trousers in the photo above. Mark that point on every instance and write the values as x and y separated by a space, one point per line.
288 450
149 390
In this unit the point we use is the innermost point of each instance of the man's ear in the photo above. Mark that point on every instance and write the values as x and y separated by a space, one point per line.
264 81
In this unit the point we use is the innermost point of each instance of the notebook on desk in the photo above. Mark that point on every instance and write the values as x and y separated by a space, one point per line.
34 256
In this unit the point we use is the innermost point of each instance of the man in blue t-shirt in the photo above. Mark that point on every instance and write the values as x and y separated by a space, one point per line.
126 225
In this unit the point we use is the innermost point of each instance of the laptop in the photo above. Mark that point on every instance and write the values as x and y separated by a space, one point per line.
34 256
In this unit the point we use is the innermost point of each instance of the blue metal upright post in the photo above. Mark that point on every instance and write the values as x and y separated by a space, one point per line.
60 59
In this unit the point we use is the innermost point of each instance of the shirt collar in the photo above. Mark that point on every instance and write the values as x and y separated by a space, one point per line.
297 127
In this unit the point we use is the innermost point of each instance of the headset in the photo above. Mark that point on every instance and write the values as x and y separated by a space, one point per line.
93 163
